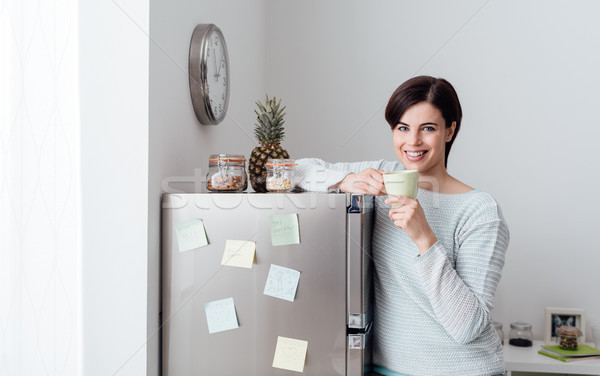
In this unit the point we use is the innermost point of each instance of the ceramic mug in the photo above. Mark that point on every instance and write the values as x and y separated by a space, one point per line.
402 183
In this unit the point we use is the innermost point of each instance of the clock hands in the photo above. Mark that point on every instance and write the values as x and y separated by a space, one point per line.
221 64
215 64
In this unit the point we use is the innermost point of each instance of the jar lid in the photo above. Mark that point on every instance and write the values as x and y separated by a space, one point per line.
281 162
497 325
520 325
568 330
227 157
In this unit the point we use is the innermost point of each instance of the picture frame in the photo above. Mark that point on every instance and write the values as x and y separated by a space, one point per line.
555 317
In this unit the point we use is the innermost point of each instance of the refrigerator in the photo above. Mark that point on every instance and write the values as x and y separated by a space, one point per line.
266 284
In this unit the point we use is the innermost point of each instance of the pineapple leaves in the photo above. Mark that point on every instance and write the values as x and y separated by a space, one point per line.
269 125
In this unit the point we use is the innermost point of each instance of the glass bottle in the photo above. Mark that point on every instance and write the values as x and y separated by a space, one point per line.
280 175
567 337
520 334
226 173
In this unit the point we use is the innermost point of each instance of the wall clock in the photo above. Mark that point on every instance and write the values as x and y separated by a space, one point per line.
209 74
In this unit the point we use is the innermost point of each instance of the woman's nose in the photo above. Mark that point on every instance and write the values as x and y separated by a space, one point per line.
415 137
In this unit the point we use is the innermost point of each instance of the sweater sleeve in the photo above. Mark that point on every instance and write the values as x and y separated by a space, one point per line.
316 175
462 296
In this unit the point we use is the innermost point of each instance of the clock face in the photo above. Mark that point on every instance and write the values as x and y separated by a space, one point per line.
216 74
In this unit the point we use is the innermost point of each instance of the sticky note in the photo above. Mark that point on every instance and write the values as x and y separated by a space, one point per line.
220 315
290 354
239 253
284 229
282 283
190 234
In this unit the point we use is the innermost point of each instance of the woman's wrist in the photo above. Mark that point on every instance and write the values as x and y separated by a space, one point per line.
338 185
425 242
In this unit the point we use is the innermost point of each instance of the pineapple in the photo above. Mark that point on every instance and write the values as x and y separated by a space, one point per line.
269 132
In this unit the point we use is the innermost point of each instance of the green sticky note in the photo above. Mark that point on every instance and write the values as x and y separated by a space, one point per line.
284 229
190 234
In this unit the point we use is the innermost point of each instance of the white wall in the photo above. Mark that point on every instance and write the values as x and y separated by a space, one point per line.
526 73
39 188
114 56
178 145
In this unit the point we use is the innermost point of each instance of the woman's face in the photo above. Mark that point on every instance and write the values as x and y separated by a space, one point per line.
420 139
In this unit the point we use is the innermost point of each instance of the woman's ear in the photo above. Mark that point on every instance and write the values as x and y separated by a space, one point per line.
450 132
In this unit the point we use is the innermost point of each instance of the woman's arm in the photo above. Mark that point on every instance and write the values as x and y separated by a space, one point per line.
462 296
316 175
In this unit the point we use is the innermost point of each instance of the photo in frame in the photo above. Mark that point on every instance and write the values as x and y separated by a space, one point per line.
556 317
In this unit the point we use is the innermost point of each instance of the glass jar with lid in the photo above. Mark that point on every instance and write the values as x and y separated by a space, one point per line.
520 334
567 337
498 327
280 175
226 173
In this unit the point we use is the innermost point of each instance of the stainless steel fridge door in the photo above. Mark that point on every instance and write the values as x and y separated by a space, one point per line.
360 286
190 279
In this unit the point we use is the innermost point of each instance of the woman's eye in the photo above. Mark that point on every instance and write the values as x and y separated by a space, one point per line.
402 128
429 129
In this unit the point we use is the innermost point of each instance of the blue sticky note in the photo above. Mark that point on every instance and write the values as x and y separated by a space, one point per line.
220 315
284 229
282 283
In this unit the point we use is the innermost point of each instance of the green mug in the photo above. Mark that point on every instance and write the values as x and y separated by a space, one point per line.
402 183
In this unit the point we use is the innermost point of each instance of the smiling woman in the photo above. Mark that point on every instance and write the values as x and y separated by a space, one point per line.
438 258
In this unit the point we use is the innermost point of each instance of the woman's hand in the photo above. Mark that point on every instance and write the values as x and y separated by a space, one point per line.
410 217
369 181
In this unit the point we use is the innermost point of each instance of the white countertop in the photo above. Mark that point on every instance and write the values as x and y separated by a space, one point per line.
526 359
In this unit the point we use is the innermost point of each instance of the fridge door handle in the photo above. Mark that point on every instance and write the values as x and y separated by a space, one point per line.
358 260
359 283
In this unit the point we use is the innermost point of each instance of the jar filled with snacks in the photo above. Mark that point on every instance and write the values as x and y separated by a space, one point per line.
520 334
498 327
567 337
226 173
280 175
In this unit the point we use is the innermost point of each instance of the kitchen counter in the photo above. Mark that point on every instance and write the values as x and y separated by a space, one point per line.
522 361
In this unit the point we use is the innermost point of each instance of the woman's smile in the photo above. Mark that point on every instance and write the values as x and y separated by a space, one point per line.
415 156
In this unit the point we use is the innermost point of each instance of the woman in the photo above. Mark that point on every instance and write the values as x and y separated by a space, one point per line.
438 259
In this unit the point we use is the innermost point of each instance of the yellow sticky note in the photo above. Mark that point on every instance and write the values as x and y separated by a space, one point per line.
239 253
290 354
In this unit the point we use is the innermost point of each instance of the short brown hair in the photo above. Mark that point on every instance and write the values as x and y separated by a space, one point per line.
436 91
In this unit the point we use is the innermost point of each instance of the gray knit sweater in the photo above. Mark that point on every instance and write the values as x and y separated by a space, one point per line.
432 313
